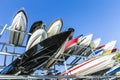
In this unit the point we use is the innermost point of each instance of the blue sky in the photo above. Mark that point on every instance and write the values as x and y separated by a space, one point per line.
99 17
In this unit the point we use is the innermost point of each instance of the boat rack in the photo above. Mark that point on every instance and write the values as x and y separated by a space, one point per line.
4 46
42 77
4 50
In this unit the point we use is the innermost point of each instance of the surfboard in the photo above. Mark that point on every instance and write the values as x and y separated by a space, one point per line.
36 55
19 23
55 27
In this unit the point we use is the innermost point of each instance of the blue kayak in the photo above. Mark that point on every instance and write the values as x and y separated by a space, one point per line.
113 70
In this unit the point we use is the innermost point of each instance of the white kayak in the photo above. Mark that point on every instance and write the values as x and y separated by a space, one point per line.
71 44
110 51
113 70
35 26
94 44
55 27
104 48
93 65
84 43
110 45
19 23
82 46
36 37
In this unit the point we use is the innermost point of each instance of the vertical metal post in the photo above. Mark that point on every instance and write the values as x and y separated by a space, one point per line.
54 69
13 56
65 63
5 56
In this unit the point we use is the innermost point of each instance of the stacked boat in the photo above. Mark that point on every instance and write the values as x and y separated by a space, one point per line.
20 24
46 47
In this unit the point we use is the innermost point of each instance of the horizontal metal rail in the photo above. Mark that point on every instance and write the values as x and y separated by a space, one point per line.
4 43
8 28
57 77
9 54
19 31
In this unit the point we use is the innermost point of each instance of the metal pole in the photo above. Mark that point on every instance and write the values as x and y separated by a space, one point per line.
3 29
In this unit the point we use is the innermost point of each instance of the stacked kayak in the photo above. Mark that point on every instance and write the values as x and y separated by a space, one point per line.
35 26
38 34
82 46
101 50
60 52
37 55
19 23
91 66
48 47
71 46
55 27
113 70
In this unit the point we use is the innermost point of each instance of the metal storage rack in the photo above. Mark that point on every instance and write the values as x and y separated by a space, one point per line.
4 51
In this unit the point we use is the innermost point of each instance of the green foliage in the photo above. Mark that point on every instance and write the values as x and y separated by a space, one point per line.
117 57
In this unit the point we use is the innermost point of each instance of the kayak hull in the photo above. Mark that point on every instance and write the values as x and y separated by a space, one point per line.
19 23
36 55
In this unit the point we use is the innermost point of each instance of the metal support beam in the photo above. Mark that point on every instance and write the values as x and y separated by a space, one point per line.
9 54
